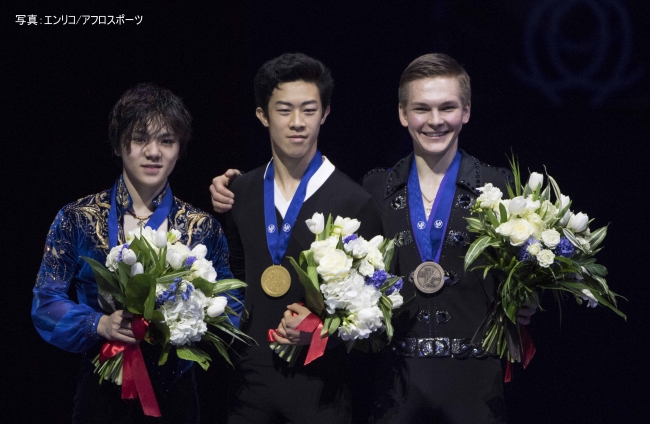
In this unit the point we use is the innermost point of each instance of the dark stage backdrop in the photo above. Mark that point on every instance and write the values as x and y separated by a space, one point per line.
564 84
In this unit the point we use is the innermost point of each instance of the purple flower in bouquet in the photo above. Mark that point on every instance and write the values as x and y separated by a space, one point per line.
564 248
377 279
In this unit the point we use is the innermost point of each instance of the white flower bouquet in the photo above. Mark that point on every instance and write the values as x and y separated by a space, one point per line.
536 244
173 293
346 284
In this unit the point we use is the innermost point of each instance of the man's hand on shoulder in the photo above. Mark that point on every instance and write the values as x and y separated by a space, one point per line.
222 198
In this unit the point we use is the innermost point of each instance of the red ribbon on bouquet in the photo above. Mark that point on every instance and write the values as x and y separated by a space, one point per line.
528 351
313 324
135 378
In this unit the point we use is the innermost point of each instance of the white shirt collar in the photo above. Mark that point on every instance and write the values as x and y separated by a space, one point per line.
317 180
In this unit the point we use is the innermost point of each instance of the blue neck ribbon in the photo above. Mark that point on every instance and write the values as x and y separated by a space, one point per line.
429 233
155 221
278 239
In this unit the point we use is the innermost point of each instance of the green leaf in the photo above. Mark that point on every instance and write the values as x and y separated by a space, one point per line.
137 292
204 285
503 213
193 353
475 249
228 284
334 324
389 250
150 302
313 297
492 217
597 237
168 278
164 353
106 281
218 344
474 225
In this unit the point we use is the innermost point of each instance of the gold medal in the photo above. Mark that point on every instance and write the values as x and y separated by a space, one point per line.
276 281
429 277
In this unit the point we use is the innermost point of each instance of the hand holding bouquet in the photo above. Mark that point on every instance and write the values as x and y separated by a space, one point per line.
346 284
174 295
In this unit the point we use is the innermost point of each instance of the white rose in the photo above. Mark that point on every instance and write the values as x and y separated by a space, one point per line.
316 224
531 205
517 229
534 248
129 257
517 206
160 238
136 269
358 247
578 223
564 202
535 180
335 264
111 259
551 238
397 299
322 248
536 221
548 211
365 268
345 226
545 258
489 197
216 306
204 269
200 251
375 257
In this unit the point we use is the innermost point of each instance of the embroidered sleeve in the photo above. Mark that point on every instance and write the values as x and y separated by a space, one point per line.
58 319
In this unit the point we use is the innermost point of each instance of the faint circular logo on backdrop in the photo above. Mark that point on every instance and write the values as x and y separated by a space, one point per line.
578 44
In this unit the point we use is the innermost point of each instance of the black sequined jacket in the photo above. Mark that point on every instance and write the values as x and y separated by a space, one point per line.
458 309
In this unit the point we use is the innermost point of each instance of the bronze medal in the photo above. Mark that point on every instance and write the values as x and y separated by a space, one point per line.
276 281
429 277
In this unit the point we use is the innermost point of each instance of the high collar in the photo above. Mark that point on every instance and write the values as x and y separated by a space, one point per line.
123 197
469 174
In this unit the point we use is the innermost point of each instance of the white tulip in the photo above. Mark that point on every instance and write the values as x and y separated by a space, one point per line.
316 224
535 180
216 306
129 257
517 206
578 222
136 269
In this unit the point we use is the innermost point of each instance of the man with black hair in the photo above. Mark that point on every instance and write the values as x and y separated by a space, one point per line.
266 226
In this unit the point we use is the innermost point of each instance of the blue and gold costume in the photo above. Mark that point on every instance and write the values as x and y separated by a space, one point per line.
81 229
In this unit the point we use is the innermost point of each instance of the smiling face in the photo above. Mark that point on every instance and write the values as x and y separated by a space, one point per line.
434 115
295 114
151 157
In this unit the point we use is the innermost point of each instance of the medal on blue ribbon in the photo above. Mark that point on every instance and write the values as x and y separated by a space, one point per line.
276 279
155 221
429 232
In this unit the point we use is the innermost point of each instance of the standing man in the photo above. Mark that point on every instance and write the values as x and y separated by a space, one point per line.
149 129
432 374
267 225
